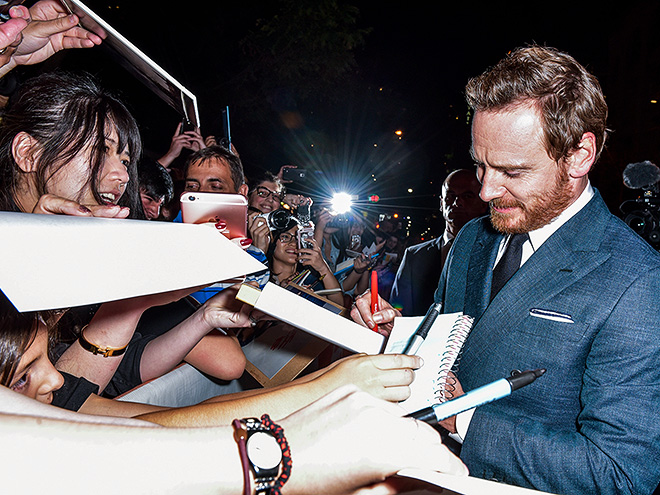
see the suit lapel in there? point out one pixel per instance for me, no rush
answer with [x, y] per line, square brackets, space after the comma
[480, 271]
[566, 257]
[571, 253]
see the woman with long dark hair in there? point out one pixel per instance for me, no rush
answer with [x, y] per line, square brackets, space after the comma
[67, 146]
[288, 261]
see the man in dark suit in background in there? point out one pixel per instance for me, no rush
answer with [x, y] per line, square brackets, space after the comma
[419, 272]
[554, 281]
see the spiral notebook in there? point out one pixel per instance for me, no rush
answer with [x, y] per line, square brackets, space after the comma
[440, 351]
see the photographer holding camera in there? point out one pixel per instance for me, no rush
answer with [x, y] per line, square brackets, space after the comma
[269, 209]
[290, 255]
[264, 199]
[642, 214]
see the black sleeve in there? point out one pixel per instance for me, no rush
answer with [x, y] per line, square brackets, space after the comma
[74, 392]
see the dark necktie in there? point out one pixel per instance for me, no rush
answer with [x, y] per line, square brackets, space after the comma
[508, 264]
[444, 251]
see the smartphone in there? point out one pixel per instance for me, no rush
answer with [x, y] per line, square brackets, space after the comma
[356, 239]
[198, 207]
[305, 234]
[187, 126]
[303, 213]
[225, 142]
[293, 174]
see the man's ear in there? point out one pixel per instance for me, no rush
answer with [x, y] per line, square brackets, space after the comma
[243, 190]
[24, 149]
[580, 162]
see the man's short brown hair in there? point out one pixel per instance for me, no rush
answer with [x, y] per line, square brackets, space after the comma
[569, 99]
[217, 152]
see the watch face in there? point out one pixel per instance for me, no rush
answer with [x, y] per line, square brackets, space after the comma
[263, 450]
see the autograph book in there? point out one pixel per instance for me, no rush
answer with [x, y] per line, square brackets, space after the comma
[440, 351]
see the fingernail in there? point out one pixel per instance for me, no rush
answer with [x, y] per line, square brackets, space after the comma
[220, 225]
[16, 12]
[246, 242]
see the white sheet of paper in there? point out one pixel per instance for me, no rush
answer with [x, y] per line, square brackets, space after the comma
[467, 485]
[294, 310]
[423, 391]
[56, 261]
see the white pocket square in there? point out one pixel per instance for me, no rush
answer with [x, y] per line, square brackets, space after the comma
[550, 315]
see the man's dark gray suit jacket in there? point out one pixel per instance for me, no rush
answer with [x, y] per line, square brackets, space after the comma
[417, 278]
[585, 306]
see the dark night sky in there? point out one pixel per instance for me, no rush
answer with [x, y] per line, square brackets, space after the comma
[421, 56]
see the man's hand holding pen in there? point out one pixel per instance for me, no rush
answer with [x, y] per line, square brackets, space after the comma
[384, 318]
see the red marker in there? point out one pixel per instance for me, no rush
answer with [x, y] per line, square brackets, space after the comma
[374, 295]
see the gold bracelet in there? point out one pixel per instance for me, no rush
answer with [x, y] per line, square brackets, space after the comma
[95, 349]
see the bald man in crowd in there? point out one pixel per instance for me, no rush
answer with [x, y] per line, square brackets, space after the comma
[419, 272]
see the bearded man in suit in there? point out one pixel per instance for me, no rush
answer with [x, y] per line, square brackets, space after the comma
[554, 281]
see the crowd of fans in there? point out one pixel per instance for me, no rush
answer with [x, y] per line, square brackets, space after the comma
[71, 148]
[369, 239]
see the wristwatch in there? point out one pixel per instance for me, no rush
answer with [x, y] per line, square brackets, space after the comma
[264, 454]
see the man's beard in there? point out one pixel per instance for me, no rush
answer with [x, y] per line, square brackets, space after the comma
[537, 212]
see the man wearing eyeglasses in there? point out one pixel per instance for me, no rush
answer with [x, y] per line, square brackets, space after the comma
[266, 194]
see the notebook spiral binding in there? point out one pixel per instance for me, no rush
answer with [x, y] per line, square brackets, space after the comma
[444, 384]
